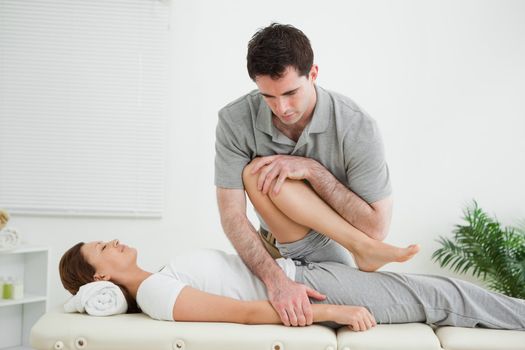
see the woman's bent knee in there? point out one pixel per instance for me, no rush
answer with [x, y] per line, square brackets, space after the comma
[248, 178]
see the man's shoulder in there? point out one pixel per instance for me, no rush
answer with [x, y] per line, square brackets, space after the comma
[240, 107]
[345, 103]
[351, 118]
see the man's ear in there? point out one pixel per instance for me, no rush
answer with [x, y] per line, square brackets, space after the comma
[101, 277]
[314, 71]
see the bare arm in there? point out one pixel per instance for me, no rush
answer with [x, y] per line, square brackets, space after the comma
[373, 219]
[290, 299]
[243, 236]
[197, 306]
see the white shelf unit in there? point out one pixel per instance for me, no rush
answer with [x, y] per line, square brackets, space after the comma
[30, 263]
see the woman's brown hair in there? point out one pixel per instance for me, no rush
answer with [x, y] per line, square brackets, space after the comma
[75, 271]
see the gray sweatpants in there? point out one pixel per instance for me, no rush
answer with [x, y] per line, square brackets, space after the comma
[396, 297]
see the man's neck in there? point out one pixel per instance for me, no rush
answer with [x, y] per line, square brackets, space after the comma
[293, 131]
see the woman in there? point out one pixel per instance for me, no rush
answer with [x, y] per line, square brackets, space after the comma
[216, 287]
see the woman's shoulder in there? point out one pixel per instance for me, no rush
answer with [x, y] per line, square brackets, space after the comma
[157, 294]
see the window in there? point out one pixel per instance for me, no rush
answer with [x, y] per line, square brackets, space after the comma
[83, 106]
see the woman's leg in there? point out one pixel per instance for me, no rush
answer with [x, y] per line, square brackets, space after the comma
[283, 228]
[297, 209]
[403, 298]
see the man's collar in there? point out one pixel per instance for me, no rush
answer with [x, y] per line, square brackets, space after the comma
[263, 121]
[318, 124]
[322, 112]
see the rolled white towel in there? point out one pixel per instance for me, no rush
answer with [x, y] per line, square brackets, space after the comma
[101, 298]
[9, 238]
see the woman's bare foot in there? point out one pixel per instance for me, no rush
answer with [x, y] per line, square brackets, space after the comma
[374, 254]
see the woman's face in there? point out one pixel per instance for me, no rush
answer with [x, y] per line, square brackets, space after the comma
[109, 259]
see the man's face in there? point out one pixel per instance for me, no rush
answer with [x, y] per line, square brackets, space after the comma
[290, 97]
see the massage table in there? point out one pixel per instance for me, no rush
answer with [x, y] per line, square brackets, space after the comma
[57, 330]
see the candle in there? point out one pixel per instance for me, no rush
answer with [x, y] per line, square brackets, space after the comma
[8, 289]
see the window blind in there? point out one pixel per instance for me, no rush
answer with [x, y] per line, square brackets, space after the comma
[83, 106]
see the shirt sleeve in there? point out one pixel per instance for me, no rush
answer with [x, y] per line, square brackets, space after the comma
[366, 167]
[157, 295]
[231, 156]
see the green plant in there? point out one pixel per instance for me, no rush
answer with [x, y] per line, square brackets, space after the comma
[487, 250]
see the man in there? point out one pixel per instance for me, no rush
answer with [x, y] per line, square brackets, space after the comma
[299, 131]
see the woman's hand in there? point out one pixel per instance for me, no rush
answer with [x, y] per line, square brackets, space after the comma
[357, 318]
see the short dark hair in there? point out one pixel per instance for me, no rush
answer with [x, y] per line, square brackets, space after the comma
[276, 47]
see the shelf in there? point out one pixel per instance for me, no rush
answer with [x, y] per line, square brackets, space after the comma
[28, 298]
[24, 248]
[29, 263]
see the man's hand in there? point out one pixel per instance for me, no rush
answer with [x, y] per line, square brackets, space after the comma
[290, 300]
[280, 167]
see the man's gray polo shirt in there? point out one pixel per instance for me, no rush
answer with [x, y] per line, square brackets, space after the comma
[340, 136]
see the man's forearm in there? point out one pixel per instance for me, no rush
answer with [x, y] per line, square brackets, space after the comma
[349, 205]
[244, 238]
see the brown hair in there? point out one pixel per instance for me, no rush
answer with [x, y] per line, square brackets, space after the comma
[276, 47]
[75, 271]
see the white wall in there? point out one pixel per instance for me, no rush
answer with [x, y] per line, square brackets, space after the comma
[444, 79]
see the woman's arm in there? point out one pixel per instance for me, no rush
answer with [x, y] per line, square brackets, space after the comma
[198, 306]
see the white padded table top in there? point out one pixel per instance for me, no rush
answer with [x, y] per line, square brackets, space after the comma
[457, 338]
[409, 336]
[61, 331]
[58, 330]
